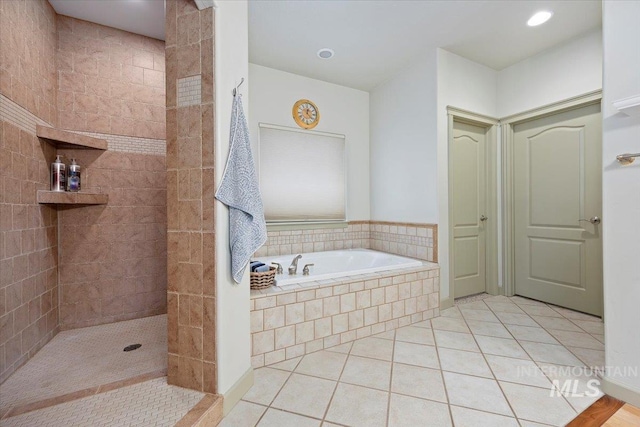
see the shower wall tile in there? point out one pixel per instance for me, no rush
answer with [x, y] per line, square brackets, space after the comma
[189, 91]
[28, 231]
[113, 257]
[109, 81]
[111, 86]
[131, 144]
[28, 56]
[190, 196]
[28, 244]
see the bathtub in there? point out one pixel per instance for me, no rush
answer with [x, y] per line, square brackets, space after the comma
[334, 264]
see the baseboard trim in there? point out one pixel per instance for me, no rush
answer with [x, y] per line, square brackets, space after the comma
[621, 392]
[446, 303]
[235, 393]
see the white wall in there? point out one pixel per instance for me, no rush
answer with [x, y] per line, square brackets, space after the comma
[409, 154]
[405, 119]
[233, 328]
[468, 86]
[621, 195]
[559, 73]
[562, 72]
[342, 110]
[403, 146]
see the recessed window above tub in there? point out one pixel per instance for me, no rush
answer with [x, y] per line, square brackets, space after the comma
[302, 175]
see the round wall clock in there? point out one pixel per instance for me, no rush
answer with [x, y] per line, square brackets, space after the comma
[306, 114]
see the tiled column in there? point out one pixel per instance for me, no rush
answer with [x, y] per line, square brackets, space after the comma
[190, 196]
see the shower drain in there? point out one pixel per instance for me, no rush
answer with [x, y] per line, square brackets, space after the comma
[132, 347]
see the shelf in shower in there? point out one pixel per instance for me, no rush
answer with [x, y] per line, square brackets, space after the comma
[64, 139]
[71, 198]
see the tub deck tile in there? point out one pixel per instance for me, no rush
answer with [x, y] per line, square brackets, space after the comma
[350, 324]
[289, 287]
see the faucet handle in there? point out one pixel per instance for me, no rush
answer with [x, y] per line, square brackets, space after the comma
[279, 267]
[305, 270]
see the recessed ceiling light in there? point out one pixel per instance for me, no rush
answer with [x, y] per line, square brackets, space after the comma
[325, 53]
[539, 18]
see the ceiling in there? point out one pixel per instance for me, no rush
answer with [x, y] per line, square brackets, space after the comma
[144, 17]
[375, 39]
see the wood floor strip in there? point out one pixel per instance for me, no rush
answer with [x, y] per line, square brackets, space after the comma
[598, 413]
[626, 416]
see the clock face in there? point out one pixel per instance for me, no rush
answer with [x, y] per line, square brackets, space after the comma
[306, 114]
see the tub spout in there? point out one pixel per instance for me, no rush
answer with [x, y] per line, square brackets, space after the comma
[293, 268]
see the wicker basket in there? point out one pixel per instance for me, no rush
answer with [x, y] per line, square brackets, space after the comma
[263, 280]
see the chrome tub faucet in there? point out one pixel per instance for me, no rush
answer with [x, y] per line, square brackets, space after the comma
[293, 268]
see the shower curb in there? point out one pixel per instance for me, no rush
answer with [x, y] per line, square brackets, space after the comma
[57, 400]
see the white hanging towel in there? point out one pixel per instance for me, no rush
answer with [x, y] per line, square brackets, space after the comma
[240, 191]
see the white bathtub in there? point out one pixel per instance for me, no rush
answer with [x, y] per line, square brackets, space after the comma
[333, 264]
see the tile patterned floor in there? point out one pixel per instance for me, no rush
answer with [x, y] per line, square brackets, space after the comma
[83, 358]
[489, 361]
[151, 403]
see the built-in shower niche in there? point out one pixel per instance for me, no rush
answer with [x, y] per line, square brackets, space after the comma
[61, 140]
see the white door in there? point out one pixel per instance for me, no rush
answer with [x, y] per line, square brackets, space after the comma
[468, 202]
[558, 202]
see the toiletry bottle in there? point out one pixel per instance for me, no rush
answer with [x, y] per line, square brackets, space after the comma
[73, 179]
[58, 175]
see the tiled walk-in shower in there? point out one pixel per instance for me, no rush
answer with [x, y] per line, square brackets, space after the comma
[486, 362]
[83, 377]
[85, 358]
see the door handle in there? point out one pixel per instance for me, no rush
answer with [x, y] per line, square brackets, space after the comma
[483, 218]
[595, 220]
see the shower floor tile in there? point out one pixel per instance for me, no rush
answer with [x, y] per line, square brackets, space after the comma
[492, 363]
[150, 403]
[81, 360]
